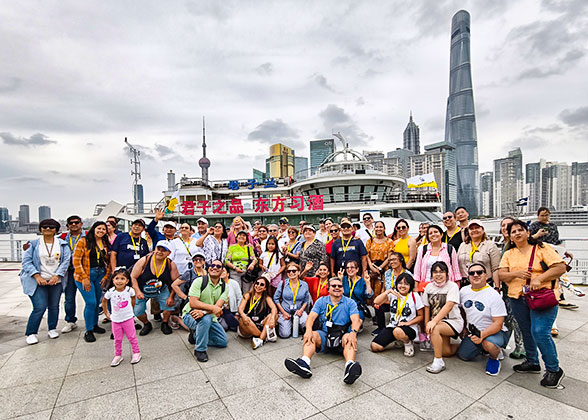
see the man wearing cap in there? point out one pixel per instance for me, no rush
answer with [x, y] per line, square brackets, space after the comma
[169, 228]
[366, 232]
[182, 285]
[73, 235]
[283, 233]
[453, 233]
[312, 250]
[347, 248]
[128, 248]
[152, 277]
[201, 228]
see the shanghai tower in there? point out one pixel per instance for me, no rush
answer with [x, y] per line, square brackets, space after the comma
[460, 122]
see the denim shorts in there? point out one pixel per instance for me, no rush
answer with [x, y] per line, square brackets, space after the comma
[468, 350]
[161, 297]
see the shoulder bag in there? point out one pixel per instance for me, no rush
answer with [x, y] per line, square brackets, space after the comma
[541, 299]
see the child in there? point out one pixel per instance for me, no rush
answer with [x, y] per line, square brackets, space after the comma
[272, 263]
[122, 302]
[406, 311]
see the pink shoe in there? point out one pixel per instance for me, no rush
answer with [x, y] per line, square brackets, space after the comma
[136, 358]
[116, 361]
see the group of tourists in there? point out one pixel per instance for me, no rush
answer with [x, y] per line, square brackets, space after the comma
[452, 290]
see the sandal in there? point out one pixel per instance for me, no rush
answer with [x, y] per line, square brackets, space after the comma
[554, 332]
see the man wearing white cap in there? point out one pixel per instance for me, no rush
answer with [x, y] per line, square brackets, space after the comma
[201, 228]
[169, 228]
[152, 277]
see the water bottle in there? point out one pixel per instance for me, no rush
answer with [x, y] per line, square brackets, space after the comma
[295, 324]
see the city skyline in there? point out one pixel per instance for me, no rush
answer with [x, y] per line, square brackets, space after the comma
[72, 89]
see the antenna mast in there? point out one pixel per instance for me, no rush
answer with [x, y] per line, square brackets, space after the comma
[136, 173]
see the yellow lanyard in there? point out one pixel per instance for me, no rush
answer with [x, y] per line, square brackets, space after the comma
[328, 238]
[187, 246]
[98, 251]
[345, 247]
[394, 277]
[135, 245]
[424, 241]
[253, 303]
[400, 308]
[446, 235]
[473, 250]
[71, 244]
[306, 246]
[479, 290]
[320, 287]
[158, 273]
[330, 309]
[352, 287]
[269, 264]
[291, 247]
[294, 293]
[244, 250]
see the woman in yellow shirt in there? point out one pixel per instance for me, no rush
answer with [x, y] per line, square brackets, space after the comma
[404, 243]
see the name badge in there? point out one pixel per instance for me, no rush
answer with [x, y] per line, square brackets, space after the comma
[329, 324]
[136, 256]
[292, 307]
[255, 318]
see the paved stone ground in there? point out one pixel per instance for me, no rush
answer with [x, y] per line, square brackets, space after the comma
[69, 378]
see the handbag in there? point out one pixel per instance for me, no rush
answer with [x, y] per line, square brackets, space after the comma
[250, 275]
[541, 299]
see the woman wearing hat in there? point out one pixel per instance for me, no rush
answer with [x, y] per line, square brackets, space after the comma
[44, 264]
[477, 248]
[312, 250]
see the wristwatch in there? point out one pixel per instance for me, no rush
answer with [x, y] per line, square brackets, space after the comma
[354, 331]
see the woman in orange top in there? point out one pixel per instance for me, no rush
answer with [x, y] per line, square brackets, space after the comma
[516, 269]
[92, 271]
[317, 286]
[404, 243]
[378, 249]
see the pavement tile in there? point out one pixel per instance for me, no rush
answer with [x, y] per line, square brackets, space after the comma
[376, 369]
[163, 364]
[239, 375]
[518, 402]
[117, 405]
[62, 346]
[275, 359]
[326, 388]
[39, 371]
[569, 395]
[29, 399]
[213, 410]
[478, 411]
[371, 405]
[97, 382]
[219, 356]
[318, 416]
[155, 400]
[261, 403]
[438, 395]
[5, 356]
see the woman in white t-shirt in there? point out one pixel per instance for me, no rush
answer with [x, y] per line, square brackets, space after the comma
[184, 248]
[442, 316]
[406, 311]
[272, 262]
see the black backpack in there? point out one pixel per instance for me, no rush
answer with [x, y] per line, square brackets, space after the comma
[449, 250]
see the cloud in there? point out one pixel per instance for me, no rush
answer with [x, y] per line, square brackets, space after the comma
[527, 142]
[552, 128]
[321, 80]
[560, 67]
[275, 131]
[360, 101]
[37, 139]
[10, 85]
[164, 150]
[335, 119]
[266, 69]
[576, 117]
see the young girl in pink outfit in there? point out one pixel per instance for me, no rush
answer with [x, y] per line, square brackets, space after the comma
[122, 301]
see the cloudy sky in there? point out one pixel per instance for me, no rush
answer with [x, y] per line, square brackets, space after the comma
[78, 77]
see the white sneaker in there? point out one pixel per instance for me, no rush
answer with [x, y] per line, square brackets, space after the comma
[69, 327]
[256, 343]
[53, 334]
[271, 334]
[409, 349]
[436, 367]
[116, 361]
[501, 355]
[32, 339]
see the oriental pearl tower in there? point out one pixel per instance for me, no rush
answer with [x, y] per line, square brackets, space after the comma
[204, 162]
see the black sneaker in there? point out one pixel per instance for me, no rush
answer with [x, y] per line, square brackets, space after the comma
[166, 329]
[157, 317]
[99, 330]
[552, 379]
[201, 356]
[352, 372]
[299, 367]
[146, 329]
[111, 336]
[89, 337]
[137, 327]
[526, 367]
[191, 337]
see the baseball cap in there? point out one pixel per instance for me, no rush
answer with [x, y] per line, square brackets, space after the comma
[284, 219]
[475, 222]
[164, 244]
[345, 221]
[203, 220]
[199, 254]
[170, 223]
[139, 221]
[308, 226]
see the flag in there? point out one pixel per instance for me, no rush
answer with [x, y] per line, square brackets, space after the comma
[173, 202]
[522, 201]
[422, 181]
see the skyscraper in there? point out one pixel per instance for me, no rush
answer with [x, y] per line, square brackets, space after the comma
[508, 183]
[24, 217]
[4, 218]
[319, 150]
[487, 194]
[376, 158]
[460, 122]
[534, 189]
[44, 212]
[579, 183]
[557, 186]
[411, 137]
[281, 161]
[300, 167]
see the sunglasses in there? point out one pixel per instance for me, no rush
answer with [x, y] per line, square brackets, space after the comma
[336, 286]
[74, 223]
[219, 266]
[182, 227]
[401, 227]
[334, 230]
[476, 272]
[367, 218]
[197, 259]
[48, 227]
[292, 271]
[283, 223]
[447, 217]
[260, 283]
[273, 230]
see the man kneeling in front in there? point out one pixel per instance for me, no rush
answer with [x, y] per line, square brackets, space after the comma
[339, 323]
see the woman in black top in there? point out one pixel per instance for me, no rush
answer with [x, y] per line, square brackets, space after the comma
[258, 314]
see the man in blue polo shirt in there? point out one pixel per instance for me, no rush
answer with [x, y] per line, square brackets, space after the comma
[340, 322]
[128, 248]
[347, 248]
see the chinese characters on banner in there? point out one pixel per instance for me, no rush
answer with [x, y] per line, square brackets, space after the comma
[260, 205]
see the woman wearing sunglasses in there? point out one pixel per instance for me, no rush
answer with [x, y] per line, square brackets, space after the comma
[356, 287]
[44, 264]
[404, 244]
[291, 297]
[258, 315]
[214, 243]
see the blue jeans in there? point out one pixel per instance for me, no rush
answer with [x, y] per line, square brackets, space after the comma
[44, 298]
[208, 333]
[468, 350]
[92, 299]
[70, 297]
[536, 329]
